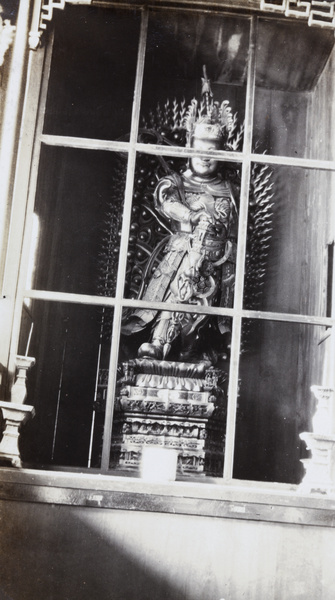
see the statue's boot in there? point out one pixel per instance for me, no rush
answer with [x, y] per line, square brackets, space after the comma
[165, 331]
[151, 350]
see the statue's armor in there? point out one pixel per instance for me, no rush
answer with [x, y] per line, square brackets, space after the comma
[198, 264]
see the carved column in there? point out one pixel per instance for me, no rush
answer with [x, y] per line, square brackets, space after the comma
[15, 413]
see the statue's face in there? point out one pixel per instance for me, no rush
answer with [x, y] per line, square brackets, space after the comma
[203, 166]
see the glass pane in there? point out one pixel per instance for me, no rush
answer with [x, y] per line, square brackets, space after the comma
[288, 236]
[183, 233]
[78, 218]
[179, 46]
[295, 90]
[279, 363]
[92, 73]
[71, 346]
[171, 392]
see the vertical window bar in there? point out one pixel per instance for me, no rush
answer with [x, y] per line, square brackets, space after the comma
[329, 377]
[330, 274]
[124, 245]
[240, 262]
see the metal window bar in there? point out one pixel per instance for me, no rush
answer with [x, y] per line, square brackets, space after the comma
[124, 245]
[116, 146]
[240, 261]
[84, 299]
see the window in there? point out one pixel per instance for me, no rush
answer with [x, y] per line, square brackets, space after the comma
[117, 84]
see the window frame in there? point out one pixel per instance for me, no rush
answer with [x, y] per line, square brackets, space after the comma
[23, 212]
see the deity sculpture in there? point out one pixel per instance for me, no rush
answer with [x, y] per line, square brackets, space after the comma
[174, 362]
[198, 263]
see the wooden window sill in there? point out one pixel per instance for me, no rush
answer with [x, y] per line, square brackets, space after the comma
[238, 500]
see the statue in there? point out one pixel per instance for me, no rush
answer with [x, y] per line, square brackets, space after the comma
[199, 257]
[173, 364]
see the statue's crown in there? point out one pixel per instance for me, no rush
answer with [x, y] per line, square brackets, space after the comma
[208, 120]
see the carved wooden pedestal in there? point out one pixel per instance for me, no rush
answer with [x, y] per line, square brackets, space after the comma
[15, 413]
[170, 405]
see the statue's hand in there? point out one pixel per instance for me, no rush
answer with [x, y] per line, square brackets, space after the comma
[222, 210]
[197, 204]
[200, 215]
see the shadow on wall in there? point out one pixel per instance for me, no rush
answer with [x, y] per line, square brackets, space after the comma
[55, 552]
[56, 556]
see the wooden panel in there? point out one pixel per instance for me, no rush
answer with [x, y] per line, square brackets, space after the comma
[321, 115]
[280, 123]
[291, 56]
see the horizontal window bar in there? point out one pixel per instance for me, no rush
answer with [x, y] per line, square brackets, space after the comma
[215, 6]
[84, 143]
[124, 146]
[178, 151]
[290, 161]
[159, 150]
[68, 297]
[174, 307]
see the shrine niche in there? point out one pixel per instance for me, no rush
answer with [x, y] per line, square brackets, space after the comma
[112, 152]
[173, 373]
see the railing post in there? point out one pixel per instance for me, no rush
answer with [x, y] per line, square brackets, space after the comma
[15, 413]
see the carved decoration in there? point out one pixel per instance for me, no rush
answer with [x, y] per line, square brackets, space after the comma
[315, 12]
[47, 10]
[43, 14]
[183, 409]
